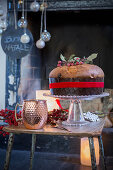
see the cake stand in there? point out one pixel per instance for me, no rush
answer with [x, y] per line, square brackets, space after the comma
[75, 116]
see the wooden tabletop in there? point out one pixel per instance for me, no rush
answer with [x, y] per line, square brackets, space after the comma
[90, 129]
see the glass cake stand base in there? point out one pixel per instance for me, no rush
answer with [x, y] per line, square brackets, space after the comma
[75, 116]
[74, 123]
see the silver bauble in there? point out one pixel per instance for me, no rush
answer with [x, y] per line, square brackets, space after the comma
[40, 44]
[3, 24]
[22, 23]
[45, 36]
[35, 6]
[42, 7]
[1, 31]
[25, 38]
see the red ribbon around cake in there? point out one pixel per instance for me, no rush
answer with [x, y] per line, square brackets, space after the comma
[76, 85]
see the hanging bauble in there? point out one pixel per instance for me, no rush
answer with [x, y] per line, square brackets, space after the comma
[45, 36]
[25, 38]
[1, 31]
[3, 24]
[43, 6]
[40, 43]
[22, 23]
[35, 6]
[20, 1]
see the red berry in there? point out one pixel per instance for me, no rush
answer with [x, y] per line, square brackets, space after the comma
[7, 133]
[71, 63]
[59, 62]
[1, 127]
[81, 62]
[4, 134]
[78, 59]
[58, 65]
[77, 63]
[68, 64]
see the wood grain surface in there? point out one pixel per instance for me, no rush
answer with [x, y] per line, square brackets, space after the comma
[90, 129]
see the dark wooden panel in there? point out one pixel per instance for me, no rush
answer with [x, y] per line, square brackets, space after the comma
[56, 5]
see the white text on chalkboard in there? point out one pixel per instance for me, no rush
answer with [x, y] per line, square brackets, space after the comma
[10, 39]
[17, 47]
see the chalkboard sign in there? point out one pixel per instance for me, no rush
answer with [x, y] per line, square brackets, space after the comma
[11, 44]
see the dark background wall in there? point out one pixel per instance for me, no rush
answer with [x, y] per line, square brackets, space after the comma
[78, 32]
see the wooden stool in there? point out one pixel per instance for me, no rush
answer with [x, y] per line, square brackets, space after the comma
[90, 130]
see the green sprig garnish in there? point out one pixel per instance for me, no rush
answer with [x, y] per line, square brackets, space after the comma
[73, 60]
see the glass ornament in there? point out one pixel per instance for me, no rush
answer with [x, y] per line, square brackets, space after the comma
[20, 1]
[40, 44]
[1, 31]
[22, 23]
[3, 24]
[45, 36]
[42, 7]
[25, 38]
[35, 6]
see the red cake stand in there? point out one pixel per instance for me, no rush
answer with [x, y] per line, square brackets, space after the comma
[75, 116]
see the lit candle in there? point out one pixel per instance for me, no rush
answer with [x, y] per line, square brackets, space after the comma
[85, 151]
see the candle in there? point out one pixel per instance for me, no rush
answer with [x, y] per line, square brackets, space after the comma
[85, 151]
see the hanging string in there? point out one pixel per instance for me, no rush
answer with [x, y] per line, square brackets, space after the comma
[45, 18]
[23, 9]
[45, 15]
[41, 27]
[25, 15]
[42, 16]
[26, 10]
[15, 14]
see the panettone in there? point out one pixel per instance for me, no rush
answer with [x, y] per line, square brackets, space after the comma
[78, 79]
